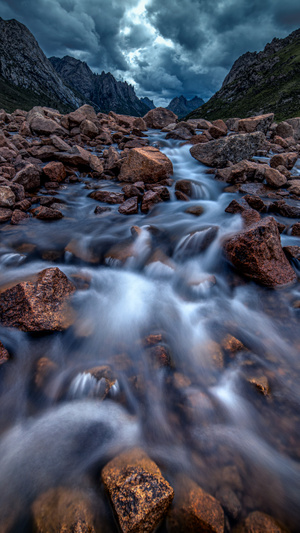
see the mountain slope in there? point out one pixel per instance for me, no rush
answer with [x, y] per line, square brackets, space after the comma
[149, 103]
[31, 77]
[262, 82]
[103, 90]
[181, 106]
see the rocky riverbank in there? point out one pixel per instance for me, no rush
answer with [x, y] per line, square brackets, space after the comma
[143, 347]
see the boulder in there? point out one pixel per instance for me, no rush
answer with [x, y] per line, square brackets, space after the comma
[78, 156]
[159, 118]
[7, 197]
[287, 160]
[194, 510]
[18, 217]
[258, 123]
[129, 207]
[85, 112]
[138, 492]
[294, 187]
[5, 215]
[29, 177]
[284, 130]
[39, 305]
[150, 198]
[257, 253]
[295, 230]
[40, 124]
[63, 510]
[55, 171]
[249, 215]
[184, 186]
[140, 124]
[88, 128]
[108, 197]
[285, 210]
[47, 213]
[295, 123]
[274, 178]
[145, 164]
[233, 148]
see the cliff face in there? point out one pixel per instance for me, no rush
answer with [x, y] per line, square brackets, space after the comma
[262, 82]
[181, 106]
[24, 65]
[103, 90]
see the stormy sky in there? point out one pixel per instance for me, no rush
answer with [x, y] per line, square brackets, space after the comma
[163, 47]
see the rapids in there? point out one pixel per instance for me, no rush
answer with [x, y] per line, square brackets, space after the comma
[203, 415]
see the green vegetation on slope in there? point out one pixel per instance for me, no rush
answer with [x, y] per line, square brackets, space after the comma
[271, 84]
[13, 97]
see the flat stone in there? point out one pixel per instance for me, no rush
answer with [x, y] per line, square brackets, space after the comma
[108, 197]
[146, 164]
[47, 213]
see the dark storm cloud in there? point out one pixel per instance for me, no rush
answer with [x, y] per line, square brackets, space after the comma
[164, 47]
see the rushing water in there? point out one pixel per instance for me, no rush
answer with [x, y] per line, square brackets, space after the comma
[201, 415]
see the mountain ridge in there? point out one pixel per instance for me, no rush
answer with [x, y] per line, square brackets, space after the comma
[181, 106]
[259, 82]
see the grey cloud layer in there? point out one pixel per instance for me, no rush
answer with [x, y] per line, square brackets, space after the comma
[175, 47]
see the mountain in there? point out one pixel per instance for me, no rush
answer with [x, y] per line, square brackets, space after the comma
[27, 77]
[149, 103]
[181, 106]
[263, 82]
[103, 90]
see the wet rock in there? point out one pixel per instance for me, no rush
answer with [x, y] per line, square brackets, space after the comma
[274, 178]
[161, 190]
[24, 205]
[229, 501]
[129, 207]
[196, 210]
[99, 210]
[284, 209]
[257, 253]
[194, 510]
[107, 197]
[234, 148]
[287, 160]
[18, 217]
[47, 213]
[241, 172]
[150, 198]
[112, 160]
[295, 229]
[39, 305]
[249, 215]
[7, 197]
[232, 345]
[136, 189]
[261, 384]
[88, 128]
[5, 215]
[292, 252]
[159, 118]
[255, 202]
[4, 355]
[258, 123]
[184, 186]
[63, 510]
[181, 196]
[54, 171]
[258, 522]
[181, 132]
[29, 177]
[145, 164]
[139, 493]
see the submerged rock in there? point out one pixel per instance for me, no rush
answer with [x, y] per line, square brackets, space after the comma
[258, 254]
[40, 305]
[139, 493]
[258, 522]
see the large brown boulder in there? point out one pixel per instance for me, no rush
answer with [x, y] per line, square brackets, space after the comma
[85, 112]
[29, 177]
[287, 160]
[40, 124]
[54, 171]
[258, 123]
[63, 510]
[233, 148]
[258, 522]
[145, 164]
[139, 493]
[257, 253]
[159, 118]
[39, 305]
[194, 510]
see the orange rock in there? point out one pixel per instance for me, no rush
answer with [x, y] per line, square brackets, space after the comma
[194, 510]
[4, 355]
[145, 164]
[258, 123]
[139, 493]
[159, 118]
[258, 522]
[55, 171]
